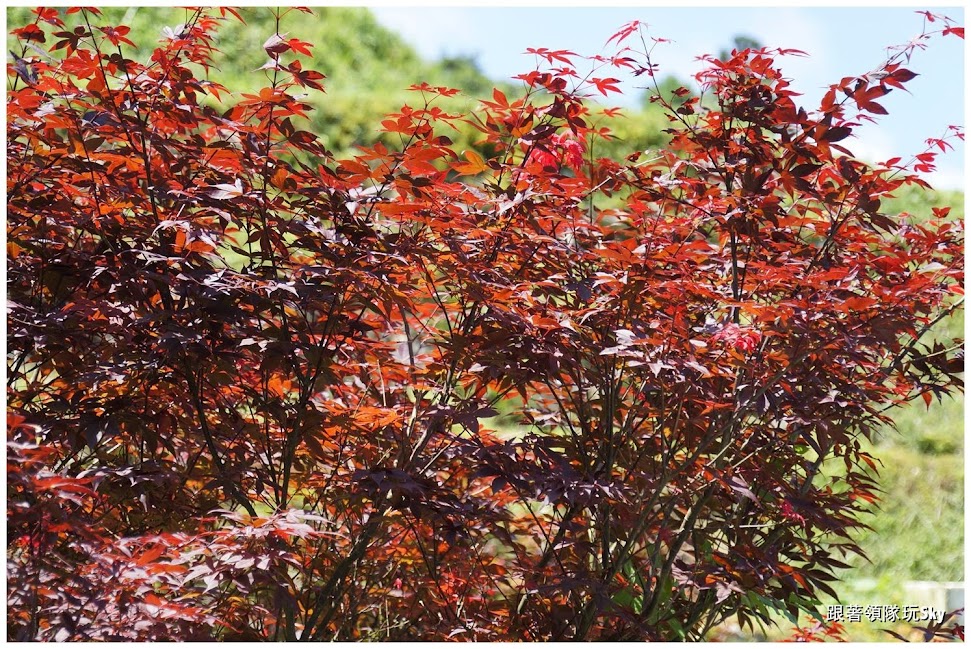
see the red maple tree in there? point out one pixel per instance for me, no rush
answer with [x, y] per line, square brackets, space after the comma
[248, 381]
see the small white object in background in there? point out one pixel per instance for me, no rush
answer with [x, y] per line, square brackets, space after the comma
[941, 595]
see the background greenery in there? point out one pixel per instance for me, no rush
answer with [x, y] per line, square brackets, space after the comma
[917, 532]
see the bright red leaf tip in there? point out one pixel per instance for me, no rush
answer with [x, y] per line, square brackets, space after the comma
[625, 31]
[606, 85]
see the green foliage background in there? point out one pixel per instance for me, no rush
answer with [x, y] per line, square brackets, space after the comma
[918, 530]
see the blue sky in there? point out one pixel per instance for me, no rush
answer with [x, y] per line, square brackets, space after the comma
[840, 42]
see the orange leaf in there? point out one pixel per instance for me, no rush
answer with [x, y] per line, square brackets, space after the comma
[278, 386]
[475, 164]
[150, 556]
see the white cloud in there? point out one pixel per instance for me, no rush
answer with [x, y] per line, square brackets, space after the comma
[946, 178]
[431, 33]
[877, 143]
[872, 144]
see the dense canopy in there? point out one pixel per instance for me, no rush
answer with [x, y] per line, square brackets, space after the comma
[253, 386]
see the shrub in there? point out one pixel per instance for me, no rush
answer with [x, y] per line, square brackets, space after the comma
[247, 379]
